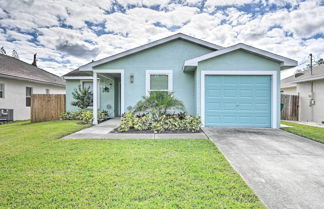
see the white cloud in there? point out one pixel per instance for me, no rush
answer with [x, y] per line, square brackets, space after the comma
[213, 3]
[74, 43]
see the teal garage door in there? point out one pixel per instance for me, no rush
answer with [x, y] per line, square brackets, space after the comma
[238, 100]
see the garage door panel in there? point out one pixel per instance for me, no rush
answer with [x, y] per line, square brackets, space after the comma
[243, 101]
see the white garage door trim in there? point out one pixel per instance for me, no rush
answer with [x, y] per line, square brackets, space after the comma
[274, 89]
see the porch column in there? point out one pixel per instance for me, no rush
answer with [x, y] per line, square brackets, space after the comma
[95, 98]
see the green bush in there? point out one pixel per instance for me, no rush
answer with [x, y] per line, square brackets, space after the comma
[168, 122]
[142, 122]
[192, 123]
[126, 122]
[85, 115]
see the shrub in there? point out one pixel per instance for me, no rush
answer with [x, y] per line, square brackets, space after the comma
[192, 123]
[126, 122]
[70, 115]
[158, 104]
[141, 122]
[82, 97]
[169, 122]
[103, 115]
[87, 117]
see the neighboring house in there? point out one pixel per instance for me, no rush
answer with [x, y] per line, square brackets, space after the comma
[233, 86]
[19, 80]
[288, 86]
[310, 88]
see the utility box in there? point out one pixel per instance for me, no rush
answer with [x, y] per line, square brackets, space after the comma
[6, 114]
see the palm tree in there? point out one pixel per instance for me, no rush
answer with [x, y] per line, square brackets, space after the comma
[158, 103]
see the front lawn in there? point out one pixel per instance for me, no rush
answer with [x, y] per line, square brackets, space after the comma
[38, 170]
[310, 132]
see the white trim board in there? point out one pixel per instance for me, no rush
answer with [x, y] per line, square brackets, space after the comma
[78, 77]
[122, 90]
[169, 73]
[274, 91]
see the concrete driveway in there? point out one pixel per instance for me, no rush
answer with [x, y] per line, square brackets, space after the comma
[284, 170]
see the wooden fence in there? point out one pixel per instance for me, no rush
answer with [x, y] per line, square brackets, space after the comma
[46, 107]
[290, 110]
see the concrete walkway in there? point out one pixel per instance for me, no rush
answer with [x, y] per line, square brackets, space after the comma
[284, 170]
[314, 124]
[103, 131]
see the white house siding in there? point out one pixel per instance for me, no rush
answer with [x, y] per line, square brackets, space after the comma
[315, 112]
[289, 91]
[15, 95]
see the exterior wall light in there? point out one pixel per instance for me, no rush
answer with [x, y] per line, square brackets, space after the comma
[131, 78]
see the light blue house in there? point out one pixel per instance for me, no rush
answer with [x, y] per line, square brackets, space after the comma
[233, 86]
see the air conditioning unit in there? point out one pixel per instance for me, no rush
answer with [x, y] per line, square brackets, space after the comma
[6, 114]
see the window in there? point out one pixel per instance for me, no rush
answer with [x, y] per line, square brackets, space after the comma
[86, 85]
[29, 92]
[2, 90]
[47, 91]
[159, 81]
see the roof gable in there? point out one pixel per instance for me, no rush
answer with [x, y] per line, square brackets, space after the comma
[88, 67]
[285, 62]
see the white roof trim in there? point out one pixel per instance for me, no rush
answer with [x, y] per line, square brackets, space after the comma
[88, 67]
[78, 77]
[310, 79]
[286, 62]
[289, 86]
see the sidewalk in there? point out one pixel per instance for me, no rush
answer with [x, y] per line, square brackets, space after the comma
[314, 124]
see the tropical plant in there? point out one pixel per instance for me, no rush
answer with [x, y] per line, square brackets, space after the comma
[82, 97]
[168, 122]
[87, 117]
[158, 103]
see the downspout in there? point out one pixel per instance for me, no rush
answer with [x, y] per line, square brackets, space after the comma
[312, 101]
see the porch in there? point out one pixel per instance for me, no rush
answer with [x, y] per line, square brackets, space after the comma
[108, 94]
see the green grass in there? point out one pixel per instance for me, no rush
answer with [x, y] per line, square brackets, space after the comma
[38, 170]
[310, 132]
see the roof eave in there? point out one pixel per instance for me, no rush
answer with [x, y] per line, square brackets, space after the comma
[32, 80]
[310, 79]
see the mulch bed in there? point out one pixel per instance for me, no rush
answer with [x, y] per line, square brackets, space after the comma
[133, 131]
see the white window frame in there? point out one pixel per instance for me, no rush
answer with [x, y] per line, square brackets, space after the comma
[31, 93]
[274, 91]
[148, 74]
[3, 90]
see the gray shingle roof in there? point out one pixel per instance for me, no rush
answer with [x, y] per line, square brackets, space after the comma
[17, 69]
[318, 73]
[77, 72]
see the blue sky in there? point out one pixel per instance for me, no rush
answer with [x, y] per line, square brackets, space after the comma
[66, 34]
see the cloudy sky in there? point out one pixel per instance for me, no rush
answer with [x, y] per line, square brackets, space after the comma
[69, 33]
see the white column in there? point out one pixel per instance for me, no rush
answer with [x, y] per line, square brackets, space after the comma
[95, 98]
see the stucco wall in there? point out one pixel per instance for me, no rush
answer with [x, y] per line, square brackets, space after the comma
[239, 60]
[105, 98]
[289, 91]
[170, 56]
[15, 95]
[315, 112]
